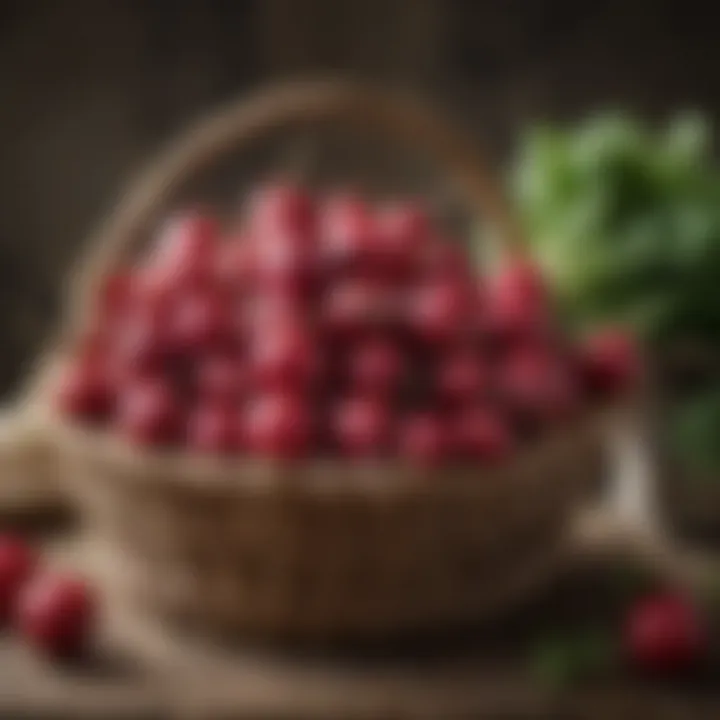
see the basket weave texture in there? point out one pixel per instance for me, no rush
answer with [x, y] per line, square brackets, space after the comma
[322, 549]
[327, 551]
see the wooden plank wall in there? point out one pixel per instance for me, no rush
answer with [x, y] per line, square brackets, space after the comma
[91, 87]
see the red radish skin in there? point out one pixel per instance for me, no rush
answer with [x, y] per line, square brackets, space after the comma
[17, 564]
[352, 308]
[216, 429]
[149, 413]
[222, 379]
[517, 301]
[362, 427]
[284, 358]
[93, 347]
[402, 230]
[348, 234]
[283, 213]
[187, 235]
[85, 392]
[236, 265]
[442, 259]
[185, 253]
[285, 267]
[463, 378]
[142, 343]
[56, 614]
[423, 440]
[199, 323]
[610, 362]
[153, 291]
[266, 313]
[279, 426]
[481, 435]
[376, 367]
[115, 294]
[439, 311]
[665, 634]
[540, 386]
[521, 282]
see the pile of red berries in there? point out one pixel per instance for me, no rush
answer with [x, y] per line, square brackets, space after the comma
[54, 612]
[327, 326]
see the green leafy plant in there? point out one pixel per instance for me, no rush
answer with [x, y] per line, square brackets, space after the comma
[626, 221]
[569, 658]
[695, 432]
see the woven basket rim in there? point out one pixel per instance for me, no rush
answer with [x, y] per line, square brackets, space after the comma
[314, 476]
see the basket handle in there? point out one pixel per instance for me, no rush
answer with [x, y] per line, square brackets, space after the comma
[242, 123]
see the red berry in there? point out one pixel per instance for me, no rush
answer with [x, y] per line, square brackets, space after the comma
[610, 362]
[402, 230]
[187, 235]
[424, 440]
[376, 367]
[665, 634]
[439, 311]
[57, 614]
[284, 267]
[284, 357]
[279, 426]
[362, 427]
[85, 390]
[215, 428]
[236, 265]
[17, 563]
[482, 435]
[198, 322]
[517, 300]
[142, 340]
[283, 213]
[445, 259]
[271, 310]
[222, 379]
[185, 253]
[348, 232]
[520, 281]
[148, 413]
[352, 307]
[93, 346]
[115, 294]
[153, 290]
[463, 377]
[537, 384]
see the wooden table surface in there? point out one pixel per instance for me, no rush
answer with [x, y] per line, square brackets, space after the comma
[140, 671]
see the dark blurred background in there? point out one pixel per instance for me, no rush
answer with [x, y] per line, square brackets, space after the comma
[91, 88]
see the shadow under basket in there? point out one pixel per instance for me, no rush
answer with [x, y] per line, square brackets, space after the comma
[319, 550]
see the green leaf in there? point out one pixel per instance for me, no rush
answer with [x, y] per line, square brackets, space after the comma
[596, 652]
[687, 142]
[626, 222]
[573, 657]
[695, 428]
[552, 665]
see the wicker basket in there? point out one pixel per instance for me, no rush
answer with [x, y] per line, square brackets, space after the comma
[28, 466]
[324, 550]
